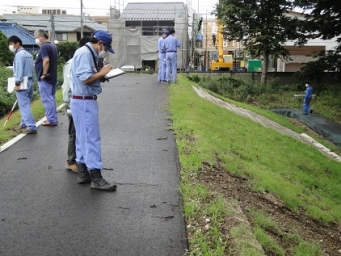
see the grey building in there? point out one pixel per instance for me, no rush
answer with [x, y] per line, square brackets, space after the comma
[137, 30]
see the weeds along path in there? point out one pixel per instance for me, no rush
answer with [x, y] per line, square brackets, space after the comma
[267, 123]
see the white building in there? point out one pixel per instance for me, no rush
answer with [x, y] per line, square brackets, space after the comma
[304, 54]
[28, 9]
[136, 32]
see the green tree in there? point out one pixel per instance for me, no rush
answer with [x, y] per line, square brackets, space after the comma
[6, 56]
[322, 18]
[323, 21]
[67, 49]
[263, 26]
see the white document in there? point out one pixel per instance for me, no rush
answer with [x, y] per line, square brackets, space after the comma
[11, 84]
[114, 72]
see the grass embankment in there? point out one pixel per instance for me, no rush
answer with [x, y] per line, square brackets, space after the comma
[294, 171]
[12, 127]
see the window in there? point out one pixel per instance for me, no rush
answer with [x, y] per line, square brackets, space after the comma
[61, 36]
[148, 27]
[133, 23]
[227, 58]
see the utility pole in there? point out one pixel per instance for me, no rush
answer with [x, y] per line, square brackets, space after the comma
[206, 52]
[52, 29]
[81, 19]
[193, 37]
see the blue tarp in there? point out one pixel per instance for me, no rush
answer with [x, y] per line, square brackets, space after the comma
[318, 123]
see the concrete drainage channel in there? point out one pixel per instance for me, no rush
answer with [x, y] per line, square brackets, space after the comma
[267, 123]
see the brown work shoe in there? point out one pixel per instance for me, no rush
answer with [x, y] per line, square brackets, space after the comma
[71, 167]
[27, 131]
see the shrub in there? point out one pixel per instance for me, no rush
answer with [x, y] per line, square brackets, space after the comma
[66, 50]
[194, 78]
[147, 70]
[6, 56]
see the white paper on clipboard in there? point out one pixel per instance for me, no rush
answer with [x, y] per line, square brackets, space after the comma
[114, 72]
[11, 84]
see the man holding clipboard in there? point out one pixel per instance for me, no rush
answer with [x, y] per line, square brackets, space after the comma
[23, 79]
[86, 80]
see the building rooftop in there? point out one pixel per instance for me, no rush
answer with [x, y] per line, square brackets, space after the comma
[62, 23]
[154, 11]
[12, 29]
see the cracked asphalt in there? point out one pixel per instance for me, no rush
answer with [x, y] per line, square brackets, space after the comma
[44, 212]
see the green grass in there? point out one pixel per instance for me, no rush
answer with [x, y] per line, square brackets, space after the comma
[306, 248]
[265, 226]
[297, 173]
[268, 243]
[242, 242]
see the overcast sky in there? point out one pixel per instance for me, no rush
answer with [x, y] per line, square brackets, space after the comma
[99, 7]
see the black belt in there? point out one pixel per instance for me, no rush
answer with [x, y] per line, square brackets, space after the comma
[171, 51]
[84, 97]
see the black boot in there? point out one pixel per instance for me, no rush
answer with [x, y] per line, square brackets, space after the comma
[83, 174]
[99, 183]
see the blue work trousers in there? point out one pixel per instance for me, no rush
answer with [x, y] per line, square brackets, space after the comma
[24, 98]
[171, 65]
[162, 67]
[48, 97]
[306, 106]
[88, 140]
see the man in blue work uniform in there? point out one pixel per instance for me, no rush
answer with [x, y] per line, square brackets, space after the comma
[162, 57]
[307, 98]
[171, 45]
[46, 72]
[86, 79]
[23, 67]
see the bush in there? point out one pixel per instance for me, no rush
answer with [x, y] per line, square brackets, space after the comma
[194, 78]
[6, 56]
[6, 103]
[66, 50]
[243, 90]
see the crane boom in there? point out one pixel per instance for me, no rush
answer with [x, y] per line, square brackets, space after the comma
[224, 62]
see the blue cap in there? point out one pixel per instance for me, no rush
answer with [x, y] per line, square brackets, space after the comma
[105, 37]
[165, 31]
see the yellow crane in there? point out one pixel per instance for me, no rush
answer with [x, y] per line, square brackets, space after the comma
[224, 62]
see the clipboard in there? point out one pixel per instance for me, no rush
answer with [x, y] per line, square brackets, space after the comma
[114, 72]
[11, 84]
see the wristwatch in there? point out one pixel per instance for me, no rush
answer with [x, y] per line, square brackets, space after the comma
[17, 83]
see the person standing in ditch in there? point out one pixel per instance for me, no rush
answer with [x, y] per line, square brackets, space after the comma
[308, 94]
[86, 85]
[71, 164]
[23, 67]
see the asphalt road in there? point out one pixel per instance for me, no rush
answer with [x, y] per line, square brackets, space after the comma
[44, 212]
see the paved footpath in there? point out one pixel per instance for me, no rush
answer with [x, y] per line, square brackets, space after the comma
[44, 212]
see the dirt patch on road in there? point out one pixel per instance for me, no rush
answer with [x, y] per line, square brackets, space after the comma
[236, 188]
